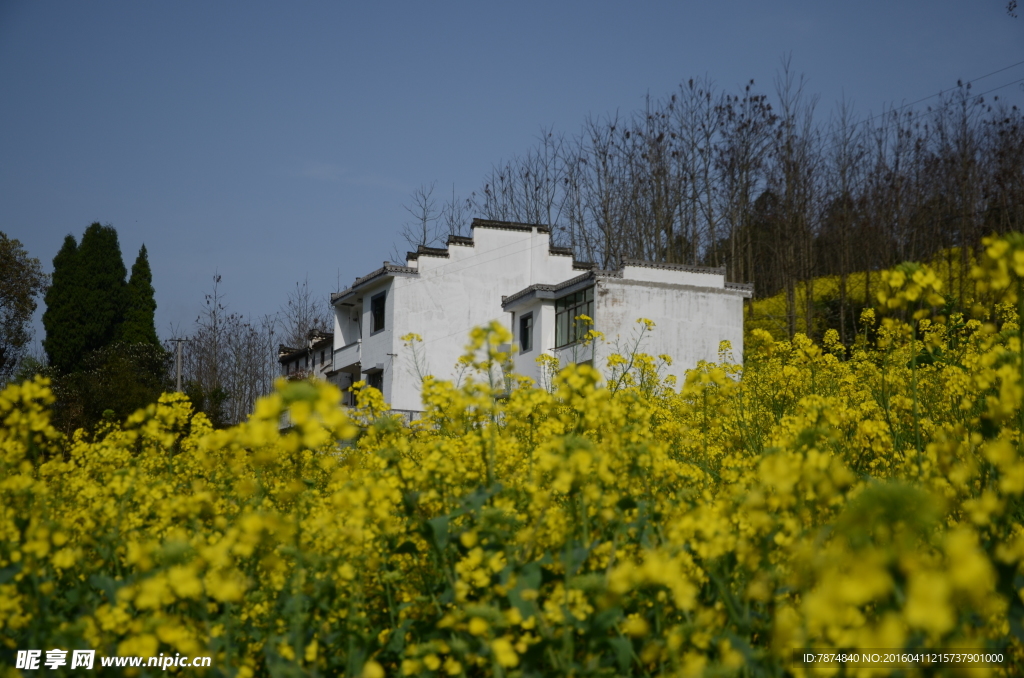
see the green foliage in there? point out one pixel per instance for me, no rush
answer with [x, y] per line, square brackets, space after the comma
[63, 344]
[139, 326]
[28, 367]
[100, 336]
[114, 381]
[21, 279]
[101, 274]
[209, 401]
[85, 305]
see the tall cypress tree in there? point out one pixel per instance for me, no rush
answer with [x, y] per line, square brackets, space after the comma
[101, 274]
[139, 326]
[100, 334]
[64, 343]
[86, 302]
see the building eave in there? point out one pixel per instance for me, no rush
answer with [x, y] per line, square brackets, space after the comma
[460, 240]
[423, 251]
[510, 226]
[541, 291]
[385, 271]
[710, 270]
[746, 290]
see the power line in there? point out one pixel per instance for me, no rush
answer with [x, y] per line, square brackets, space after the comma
[973, 96]
[945, 91]
[950, 89]
[1000, 87]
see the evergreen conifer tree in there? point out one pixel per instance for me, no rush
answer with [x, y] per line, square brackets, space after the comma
[101, 275]
[64, 343]
[139, 326]
[86, 301]
[100, 333]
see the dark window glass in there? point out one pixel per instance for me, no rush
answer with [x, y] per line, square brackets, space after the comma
[376, 380]
[569, 330]
[321, 357]
[377, 311]
[526, 333]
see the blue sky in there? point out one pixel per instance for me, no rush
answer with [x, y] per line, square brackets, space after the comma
[272, 141]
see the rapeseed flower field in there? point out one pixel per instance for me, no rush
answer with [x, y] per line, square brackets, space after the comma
[840, 498]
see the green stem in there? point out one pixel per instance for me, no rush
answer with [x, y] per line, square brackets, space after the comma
[913, 372]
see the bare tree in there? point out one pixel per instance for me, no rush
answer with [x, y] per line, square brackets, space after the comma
[844, 164]
[456, 214]
[304, 312]
[746, 125]
[228, 361]
[763, 188]
[600, 179]
[793, 180]
[423, 230]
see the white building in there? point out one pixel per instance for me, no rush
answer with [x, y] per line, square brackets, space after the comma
[509, 272]
[694, 309]
[314, 360]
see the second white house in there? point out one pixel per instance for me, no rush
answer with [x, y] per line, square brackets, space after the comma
[509, 272]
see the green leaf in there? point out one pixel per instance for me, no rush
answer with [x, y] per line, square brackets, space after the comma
[438, 528]
[528, 578]
[623, 652]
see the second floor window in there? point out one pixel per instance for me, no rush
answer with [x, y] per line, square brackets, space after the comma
[377, 311]
[569, 330]
[526, 333]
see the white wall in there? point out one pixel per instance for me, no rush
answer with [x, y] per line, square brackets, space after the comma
[666, 273]
[346, 330]
[543, 337]
[376, 347]
[448, 296]
[452, 295]
[690, 320]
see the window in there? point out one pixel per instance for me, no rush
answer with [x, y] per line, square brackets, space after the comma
[377, 311]
[526, 333]
[568, 330]
[376, 380]
[322, 357]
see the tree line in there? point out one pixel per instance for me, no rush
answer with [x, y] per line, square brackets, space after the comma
[229, 360]
[763, 186]
[101, 349]
[758, 184]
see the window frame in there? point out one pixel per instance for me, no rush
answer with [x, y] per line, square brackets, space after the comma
[526, 319]
[568, 331]
[381, 297]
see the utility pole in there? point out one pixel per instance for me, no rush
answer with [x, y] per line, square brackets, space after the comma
[177, 361]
